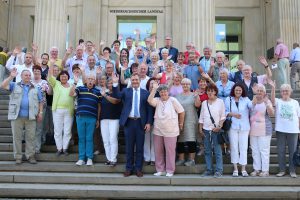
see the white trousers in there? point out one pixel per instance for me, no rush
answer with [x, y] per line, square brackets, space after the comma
[62, 121]
[261, 152]
[149, 154]
[109, 132]
[238, 146]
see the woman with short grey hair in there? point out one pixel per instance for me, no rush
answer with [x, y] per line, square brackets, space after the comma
[287, 116]
[190, 102]
[168, 121]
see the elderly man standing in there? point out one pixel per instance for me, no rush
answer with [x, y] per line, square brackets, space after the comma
[25, 106]
[295, 62]
[281, 55]
[136, 118]
[87, 117]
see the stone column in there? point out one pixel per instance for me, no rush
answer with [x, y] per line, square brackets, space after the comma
[286, 18]
[197, 22]
[50, 25]
[91, 21]
[286, 15]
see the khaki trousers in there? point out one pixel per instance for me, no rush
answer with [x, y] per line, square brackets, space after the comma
[17, 129]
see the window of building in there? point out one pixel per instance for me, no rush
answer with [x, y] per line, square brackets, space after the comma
[229, 39]
[129, 26]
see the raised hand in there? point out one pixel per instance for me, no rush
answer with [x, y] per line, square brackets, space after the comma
[263, 61]
[16, 50]
[271, 83]
[120, 38]
[82, 68]
[205, 75]
[102, 43]
[69, 51]
[99, 70]
[34, 47]
[14, 72]
[115, 78]
[52, 61]
[155, 85]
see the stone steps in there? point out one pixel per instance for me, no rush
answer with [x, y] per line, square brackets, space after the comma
[73, 157]
[148, 179]
[91, 191]
[10, 166]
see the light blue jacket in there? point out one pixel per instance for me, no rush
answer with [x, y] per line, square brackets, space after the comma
[243, 108]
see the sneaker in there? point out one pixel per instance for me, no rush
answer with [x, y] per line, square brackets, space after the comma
[169, 174]
[293, 174]
[218, 174]
[37, 151]
[281, 174]
[18, 161]
[89, 162]
[96, 152]
[255, 173]
[152, 163]
[190, 163]
[65, 152]
[201, 152]
[159, 174]
[113, 164]
[107, 162]
[235, 173]
[32, 160]
[207, 173]
[80, 162]
[179, 162]
[264, 174]
[59, 152]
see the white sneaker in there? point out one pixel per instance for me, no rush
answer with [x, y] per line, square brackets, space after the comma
[89, 162]
[159, 174]
[80, 162]
[169, 174]
[96, 152]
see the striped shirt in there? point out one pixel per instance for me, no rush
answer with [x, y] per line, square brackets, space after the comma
[88, 100]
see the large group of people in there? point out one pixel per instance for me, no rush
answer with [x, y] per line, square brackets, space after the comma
[172, 106]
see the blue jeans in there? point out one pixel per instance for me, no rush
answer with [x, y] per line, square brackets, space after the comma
[211, 140]
[85, 126]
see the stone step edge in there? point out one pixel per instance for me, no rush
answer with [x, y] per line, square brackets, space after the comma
[148, 179]
[153, 192]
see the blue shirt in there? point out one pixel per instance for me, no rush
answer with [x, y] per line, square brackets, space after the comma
[295, 55]
[224, 91]
[205, 64]
[191, 72]
[24, 107]
[243, 108]
[88, 100]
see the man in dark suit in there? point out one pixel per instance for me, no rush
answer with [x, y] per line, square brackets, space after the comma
[172, 50]
[136, 118]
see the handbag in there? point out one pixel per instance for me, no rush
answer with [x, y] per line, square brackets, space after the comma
[222, 136]
[228, 121]
[296, 156]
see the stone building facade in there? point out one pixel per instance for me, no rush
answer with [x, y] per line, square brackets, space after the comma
[244, 28]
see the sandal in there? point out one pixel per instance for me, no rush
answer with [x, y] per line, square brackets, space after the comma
[235, 173]
[245, 174]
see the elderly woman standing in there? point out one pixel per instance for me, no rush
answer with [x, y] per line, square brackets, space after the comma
[168, 119]
[190, 103]
[261, 131]
[63, 109]
[238, 107]
[224, 84]
[154, 57]
[212, 117]
[287, 113]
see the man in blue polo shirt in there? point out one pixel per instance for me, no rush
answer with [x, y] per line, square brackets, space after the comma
[87, 117]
